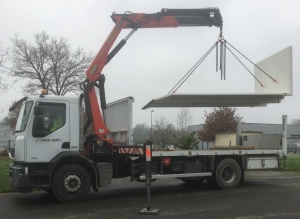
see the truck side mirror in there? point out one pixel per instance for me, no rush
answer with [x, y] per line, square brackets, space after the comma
[38, 127]
[38, 110]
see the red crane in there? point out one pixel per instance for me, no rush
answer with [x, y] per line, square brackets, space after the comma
[165, 18]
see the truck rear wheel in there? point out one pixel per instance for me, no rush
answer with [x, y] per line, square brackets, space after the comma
[228, 174]
[71, 183]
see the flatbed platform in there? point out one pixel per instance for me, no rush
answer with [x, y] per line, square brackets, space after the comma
[190, 153]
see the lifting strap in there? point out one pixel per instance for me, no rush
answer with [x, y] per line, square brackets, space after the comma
[188, 74]
[220, 64]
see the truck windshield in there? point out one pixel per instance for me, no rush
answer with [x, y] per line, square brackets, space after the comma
[23, 116]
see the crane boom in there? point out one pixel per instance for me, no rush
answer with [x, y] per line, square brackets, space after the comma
[164, 19]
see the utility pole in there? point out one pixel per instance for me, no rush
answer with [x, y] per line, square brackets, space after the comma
[151, 123]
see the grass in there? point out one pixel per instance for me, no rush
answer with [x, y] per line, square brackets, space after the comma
[4, 152]
[292, 163]
[5, 161]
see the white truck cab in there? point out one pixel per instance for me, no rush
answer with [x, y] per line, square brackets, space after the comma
[39, 138]
[32, 142]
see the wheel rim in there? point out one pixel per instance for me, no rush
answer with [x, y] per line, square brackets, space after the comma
[71, 183]
[228, 174]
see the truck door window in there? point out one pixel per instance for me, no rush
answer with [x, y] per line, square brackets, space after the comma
[54, 116]
[23, 116]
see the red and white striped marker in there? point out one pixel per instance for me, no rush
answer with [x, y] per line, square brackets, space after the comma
[131, 151]
[148, 153]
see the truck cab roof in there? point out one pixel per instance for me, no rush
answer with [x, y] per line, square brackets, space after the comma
[54, 98]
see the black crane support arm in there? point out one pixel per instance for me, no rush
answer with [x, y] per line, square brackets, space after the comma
[186, 17]
[195, 17]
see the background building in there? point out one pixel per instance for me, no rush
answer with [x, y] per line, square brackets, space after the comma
[293, 131]
[270, 132]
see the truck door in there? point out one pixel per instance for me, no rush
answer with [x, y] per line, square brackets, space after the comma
[54, 136]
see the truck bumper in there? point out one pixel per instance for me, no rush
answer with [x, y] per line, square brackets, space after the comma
[18, 179]
[23, 180]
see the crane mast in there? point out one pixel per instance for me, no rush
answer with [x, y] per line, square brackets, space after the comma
[164, 19]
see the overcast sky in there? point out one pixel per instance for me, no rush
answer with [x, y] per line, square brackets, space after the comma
[154, 60]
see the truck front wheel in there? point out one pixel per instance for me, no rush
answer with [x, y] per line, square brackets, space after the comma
[71, 183]
[228, 174]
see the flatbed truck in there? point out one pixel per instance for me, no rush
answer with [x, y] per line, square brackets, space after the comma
[49, 150]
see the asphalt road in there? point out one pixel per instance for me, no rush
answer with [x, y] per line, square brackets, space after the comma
[262, 195]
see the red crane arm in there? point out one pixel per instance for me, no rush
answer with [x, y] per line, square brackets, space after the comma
[165, 18]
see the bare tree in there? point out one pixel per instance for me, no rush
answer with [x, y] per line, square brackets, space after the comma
[295, 122]
[49, 64]
[163, 131]
[4, 53]
[184, 119]
[141, 133]
[12, 117]
[221, 119]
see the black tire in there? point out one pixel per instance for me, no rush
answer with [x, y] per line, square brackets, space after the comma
[228, 174]
[71, 183]
[194, 182]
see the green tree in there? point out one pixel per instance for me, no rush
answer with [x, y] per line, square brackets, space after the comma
[187, 142]
[221, 119]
